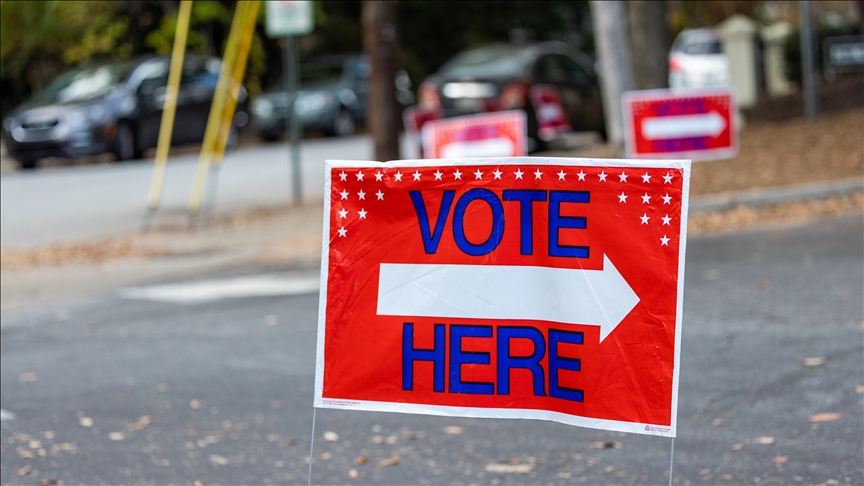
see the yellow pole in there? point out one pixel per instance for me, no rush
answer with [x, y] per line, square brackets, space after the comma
[170, 107]
[243, 48]
[216, 108]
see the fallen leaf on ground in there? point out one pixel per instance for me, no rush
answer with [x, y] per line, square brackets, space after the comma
[453, 430]
[353, 474]
[116, 436]
[197, 483]
[141, 423]
[859, 389]
[24, 471]
[331, 436]
[26, 454]
[35, 444]
[826, 417]
[815, 361]
[361, 460]
[390, 461]
[609, 444]
[411, 435]
[718, 422]
[194, 404]
[766, 440]
[289, 441]
[377, 439]
[509, 468]
[28, 377]
[764, 284]
[276, 404]
[737, 447]
[85, 422]
[217, 459]
[48, 434]
[326, 456]
[726, 477]
[391, 440]
[49, 482]
[609, 469]
[161, 388]
[779, 459]
[703, 472]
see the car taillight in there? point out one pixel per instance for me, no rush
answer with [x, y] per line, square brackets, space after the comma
[427, 95]
[675, 64]
[513, 96]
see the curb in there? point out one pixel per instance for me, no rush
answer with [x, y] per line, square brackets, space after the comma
[777, 195]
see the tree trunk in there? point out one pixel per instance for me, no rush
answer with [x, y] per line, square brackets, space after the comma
[380, 45]
[649, 44]
[610, 23]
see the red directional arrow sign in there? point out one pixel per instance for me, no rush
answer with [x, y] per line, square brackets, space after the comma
[699, 124]
[507, 287]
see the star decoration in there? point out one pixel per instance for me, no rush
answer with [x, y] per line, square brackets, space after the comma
[343, 232]
[380, 195]
[359, 176]
[666, 220]
[343, 213]
[362, 213]
[438, 175]
[581, 175]
[398, 176]
[497, 173]
[622, 177]
[645, 218]
[344, 194]
[602, 176]
[664, 241]
[646, 178]
[361, 194]
[667, 198]
[457, 175]
[478, 175]
[378, 175]
[561, 175]
[538, 174]
[622, 198]
[416, 175]
[646, 198]
[518, 173]
[667, 179]
[342, 176]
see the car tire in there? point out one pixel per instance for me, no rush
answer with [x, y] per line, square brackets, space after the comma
[124, 143]
[27, 163]
[343, 124]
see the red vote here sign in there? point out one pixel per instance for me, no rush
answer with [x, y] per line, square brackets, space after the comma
[509, 287]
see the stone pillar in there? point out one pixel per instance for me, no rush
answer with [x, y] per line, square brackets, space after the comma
[737, 35]
[774, 39]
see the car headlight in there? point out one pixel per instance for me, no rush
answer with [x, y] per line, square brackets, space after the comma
[313, 101]
[262, 108]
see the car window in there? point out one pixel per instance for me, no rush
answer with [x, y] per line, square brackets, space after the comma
[711, 47]
[84, 84]
[197, 73]
[572, 69]
[489, 61]
[557, 68]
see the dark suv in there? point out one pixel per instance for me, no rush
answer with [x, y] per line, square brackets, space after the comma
[115, 108]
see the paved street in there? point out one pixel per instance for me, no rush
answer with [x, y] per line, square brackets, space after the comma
[41, 207]
[121, 389]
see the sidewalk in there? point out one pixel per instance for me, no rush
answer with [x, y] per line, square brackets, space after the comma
[786, 172]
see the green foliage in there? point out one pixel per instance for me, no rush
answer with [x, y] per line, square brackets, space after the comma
[205, 15]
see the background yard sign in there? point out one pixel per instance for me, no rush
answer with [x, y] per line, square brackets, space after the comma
[498, 134]
[505, 287]
[698, 124]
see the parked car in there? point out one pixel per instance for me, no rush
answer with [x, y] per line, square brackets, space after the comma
[114, 107]
[696, 60]
[332, 97]
[498, 77]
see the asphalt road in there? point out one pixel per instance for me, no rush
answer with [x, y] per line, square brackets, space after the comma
[76, 203]
[227, 385]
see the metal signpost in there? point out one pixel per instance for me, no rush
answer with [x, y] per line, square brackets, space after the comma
[289, 19]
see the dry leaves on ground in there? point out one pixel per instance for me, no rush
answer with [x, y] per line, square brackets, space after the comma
[331, 436]
[390, 461]
[815, 361]
[64, 253]
[826, 417]
[509, 468]
[453, 430]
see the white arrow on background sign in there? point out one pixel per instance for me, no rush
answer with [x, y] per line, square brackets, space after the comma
[587, 297]
[683, 126]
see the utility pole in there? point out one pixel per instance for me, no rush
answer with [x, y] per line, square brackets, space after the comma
[381, 47]
[610, 36]
[649, 44]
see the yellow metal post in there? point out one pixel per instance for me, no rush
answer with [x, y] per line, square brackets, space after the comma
[170, 107]
[216, 109]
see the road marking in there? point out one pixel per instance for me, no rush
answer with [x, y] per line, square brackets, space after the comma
[6, 415]
[586, 297]
[683, 126]
[216, 289]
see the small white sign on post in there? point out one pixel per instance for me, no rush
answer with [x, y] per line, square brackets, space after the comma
[286, 18]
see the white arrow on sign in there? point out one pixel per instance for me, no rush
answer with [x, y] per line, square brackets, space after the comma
[683, 126]
[587, 297]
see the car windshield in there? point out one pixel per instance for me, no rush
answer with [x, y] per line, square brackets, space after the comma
[710, 47]
[84, 84]
[490, 61]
